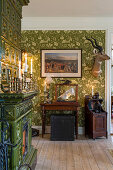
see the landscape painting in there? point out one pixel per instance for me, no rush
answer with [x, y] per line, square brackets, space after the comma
[61, 63]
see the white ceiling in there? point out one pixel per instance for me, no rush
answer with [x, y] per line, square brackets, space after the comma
[69, 8]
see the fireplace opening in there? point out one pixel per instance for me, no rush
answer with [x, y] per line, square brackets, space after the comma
[25, 140]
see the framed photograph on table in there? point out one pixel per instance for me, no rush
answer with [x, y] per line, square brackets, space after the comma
[61, 63]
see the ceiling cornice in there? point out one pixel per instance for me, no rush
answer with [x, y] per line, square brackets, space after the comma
[67, 23]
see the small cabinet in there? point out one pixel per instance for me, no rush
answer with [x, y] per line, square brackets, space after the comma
[95, 118]
[112, 107]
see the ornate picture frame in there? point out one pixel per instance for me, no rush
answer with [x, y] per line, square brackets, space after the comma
[61, 63]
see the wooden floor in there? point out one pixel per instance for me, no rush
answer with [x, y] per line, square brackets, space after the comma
[81, 154]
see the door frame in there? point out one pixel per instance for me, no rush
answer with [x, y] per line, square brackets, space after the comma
[108, 46]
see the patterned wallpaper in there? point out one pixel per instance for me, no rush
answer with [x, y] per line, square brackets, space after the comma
[33, 41]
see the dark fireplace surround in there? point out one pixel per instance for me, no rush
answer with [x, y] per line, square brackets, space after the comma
[18, 113]
[25, 140]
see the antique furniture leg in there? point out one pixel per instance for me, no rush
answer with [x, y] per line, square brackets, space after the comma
[76, 124]
[43, 120]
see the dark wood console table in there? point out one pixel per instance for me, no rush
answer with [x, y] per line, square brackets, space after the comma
[61, 106]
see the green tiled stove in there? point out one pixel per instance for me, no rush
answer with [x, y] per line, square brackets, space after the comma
[17, 105]
[18, 113]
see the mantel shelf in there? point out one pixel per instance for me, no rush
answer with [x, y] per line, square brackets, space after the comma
[17, 97]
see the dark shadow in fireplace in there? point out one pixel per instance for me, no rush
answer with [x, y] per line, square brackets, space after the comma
[25, 139]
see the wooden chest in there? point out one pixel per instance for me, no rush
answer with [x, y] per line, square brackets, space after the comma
[95, 122]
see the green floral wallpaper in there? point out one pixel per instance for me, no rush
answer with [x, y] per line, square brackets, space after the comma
[33, 41]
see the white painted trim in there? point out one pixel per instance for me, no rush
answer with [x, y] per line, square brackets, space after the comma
[67, 23]
[81, 130]
[109, 34]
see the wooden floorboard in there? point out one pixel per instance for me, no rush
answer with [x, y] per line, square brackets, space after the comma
[81, 154]
[98, 155]
[77, 156]
[62, 156]
[56, 157]
[49, 156]
[69, 159]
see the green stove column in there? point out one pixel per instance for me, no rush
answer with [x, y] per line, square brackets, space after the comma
[18, 113]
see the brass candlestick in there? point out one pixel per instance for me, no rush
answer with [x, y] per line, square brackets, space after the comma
[31, 83]
[25, 82]
[22, 82]
[1, 84]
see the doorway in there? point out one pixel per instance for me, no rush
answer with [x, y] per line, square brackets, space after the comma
[111, 130]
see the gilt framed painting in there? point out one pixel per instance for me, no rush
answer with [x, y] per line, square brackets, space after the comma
[61, 63]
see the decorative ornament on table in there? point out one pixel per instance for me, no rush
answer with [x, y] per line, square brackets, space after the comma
[98, 103]
[96, 95]
[47, 95]
[66, 82]
[48, 80]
